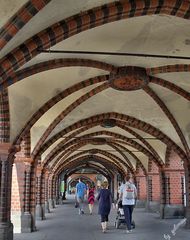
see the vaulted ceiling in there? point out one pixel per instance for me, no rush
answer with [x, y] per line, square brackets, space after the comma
[128, 108]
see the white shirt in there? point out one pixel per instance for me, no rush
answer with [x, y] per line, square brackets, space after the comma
[124, 200]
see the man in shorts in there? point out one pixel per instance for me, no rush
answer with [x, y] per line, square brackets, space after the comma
[80, 193]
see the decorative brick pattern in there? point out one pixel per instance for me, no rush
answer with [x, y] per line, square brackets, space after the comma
[107, 172]
[163, 107]
[53, 64]
[141, 183]
[110, 158]
[170, 86]
[84, 159]
[127, 140]
[84, 21]
[4, 200]
[154, 181]
[71, 107]
[29, 10]
[129, 121]
[56, 99]
[169, 69]
[173, 174]
[27, 187]
[138, 136]
[4, 117]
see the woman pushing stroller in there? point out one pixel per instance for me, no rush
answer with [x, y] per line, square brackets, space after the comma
[128, 195]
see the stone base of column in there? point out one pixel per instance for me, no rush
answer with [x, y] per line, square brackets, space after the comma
[16, 221]
[39, 212]
[54, 203]
[60, 201]
[26, 223]
[57, 201]
[51, 203]
[153, 206]
[47, 210]
[187, 215]
[33, 224]
[6, 231]
[43, 211]
[173, 211]
[140, 204]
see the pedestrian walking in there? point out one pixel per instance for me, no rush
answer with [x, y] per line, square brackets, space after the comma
[105, 200]
[80, 194]
[90, 196]
[128, 195]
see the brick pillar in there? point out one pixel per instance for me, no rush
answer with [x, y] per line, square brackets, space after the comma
[153, 185]
[187, 183]
[115, 187]
[54, 192]
[47, 210]
[6, 227]
[172, 187]
[33, 198]
[57, 187]
[26, 218]
[43, 196]
[50, 183]
[39, 215]
[141, 184]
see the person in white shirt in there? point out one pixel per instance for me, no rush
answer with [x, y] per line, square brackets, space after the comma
[128, 195]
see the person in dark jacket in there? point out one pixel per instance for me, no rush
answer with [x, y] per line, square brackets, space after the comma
[105, 200]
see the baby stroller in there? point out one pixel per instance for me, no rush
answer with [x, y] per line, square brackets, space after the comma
[120, 218]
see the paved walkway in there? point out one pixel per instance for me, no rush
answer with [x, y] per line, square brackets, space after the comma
[64, 223]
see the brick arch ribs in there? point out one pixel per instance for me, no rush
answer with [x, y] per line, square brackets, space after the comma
[53, 64]
[4, 117]
[102, 152]
[56, 99]
[132, 122]
[130, 141]
[70, 108]
[96, 158]
[90, 19]
[104, 172]
[25, 13]
[75, 62]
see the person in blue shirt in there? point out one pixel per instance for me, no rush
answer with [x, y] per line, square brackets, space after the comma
[80, 194]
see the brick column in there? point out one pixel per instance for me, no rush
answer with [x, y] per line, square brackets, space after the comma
[26, 218]
[39, 215]
[47, 210]
[6, 227]
[115, 184]
[57, 190]
[33, 198]
[43, 196]
[187, 183]
[153, 185]
[54, 192]
[51, 201]
[172, 187]
[141, 184]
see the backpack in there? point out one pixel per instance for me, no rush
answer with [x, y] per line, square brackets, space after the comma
[129, 191]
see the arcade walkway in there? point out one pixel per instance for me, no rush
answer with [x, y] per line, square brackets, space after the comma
[64, 223]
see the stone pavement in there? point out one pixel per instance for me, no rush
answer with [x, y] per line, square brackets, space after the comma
[64, 223]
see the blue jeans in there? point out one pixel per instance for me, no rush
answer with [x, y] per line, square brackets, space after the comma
[128, 210]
